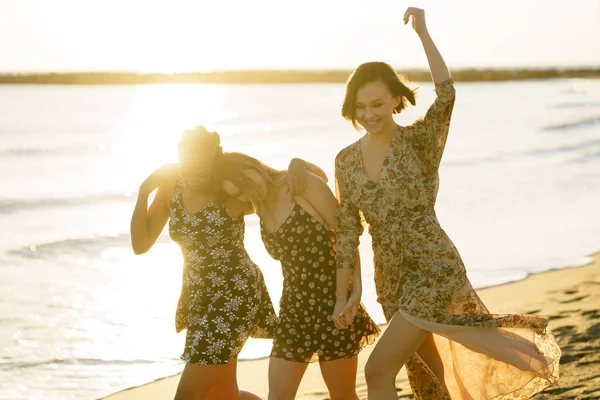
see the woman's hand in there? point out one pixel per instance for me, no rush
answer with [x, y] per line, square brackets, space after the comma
[157, 177]
[296, 177]
[418, 19]
[337, 317]
[350, 310]
[315, 169]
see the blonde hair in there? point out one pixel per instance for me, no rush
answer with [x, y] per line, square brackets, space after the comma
[233, 169]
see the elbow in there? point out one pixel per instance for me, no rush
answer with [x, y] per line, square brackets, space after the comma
[139, 249]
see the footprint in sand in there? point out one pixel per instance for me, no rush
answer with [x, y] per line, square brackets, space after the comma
[594, 330]
[592, 314]
[533, 311]
[575, 299]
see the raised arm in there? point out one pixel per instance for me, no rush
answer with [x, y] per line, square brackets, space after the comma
[148, 223]
[437, 66]
[428, 135]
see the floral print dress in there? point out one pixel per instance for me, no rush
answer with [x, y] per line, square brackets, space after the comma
[305, 331]
[224, 299]
[420, 274]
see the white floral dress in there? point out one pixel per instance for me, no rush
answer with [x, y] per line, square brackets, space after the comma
[224, 299]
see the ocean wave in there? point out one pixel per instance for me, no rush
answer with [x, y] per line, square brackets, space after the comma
[576, 105]
[85, 246]
[73, 361]
[13, 205]
[48, 151]
[565, 148]
[585, 122]
[88, 246]
[586, 158]
[474, 161]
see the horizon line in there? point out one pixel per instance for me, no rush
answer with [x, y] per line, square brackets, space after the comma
[296, 70]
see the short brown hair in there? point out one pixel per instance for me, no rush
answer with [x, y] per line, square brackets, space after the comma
[373, 72]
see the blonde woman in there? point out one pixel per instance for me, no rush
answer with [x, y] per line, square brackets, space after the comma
[301, 236]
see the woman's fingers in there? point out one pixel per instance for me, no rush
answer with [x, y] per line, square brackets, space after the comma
[339, 322]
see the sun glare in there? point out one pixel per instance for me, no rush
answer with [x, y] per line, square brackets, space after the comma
[156, 118]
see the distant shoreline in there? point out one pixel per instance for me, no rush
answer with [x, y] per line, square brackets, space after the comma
[281, 76]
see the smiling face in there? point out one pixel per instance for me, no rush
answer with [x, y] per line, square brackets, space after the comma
[374, 92]
[196, 171]
[374, 107]
[199, 151]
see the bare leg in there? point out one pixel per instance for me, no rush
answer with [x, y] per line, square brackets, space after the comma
[226, 387]
[340, 378]
[399, 341]
[429, 353]
[200, 382]
[284, 378]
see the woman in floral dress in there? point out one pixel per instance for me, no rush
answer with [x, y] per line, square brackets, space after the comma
[452, 346]
[224, 300]
[300, 235]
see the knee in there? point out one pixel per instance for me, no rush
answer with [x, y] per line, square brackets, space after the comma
[375, 374]
[228, 393]
[198, 392]
[243, 395]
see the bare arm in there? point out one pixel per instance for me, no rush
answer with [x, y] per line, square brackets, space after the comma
[148, 223]
[297, 175]
[437, 66]
[321, 198]
[428, 134]
[237, 208]
[348, 257]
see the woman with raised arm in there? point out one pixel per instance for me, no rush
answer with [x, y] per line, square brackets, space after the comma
[452, 346]
[224, 300]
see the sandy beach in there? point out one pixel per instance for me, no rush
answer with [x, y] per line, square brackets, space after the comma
[570, 296]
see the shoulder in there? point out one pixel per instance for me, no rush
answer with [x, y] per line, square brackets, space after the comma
[315, 183]
[238, 208]
[346, 155]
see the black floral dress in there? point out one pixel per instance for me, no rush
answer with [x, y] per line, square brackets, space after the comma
[304, 331]
[224, 300]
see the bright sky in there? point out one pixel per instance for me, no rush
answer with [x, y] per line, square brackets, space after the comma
[200, 35]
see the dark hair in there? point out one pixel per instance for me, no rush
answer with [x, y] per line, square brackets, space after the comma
[198, 142]
[376, 71]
